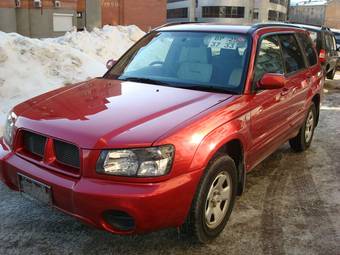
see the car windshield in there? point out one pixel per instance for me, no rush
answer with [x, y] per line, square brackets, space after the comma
[192, 60]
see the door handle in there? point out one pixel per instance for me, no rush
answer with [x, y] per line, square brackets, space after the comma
[309, 78]
[285, 91]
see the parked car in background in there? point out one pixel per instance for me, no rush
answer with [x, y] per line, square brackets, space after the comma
[166, 137]
[336, 33]
[325, 43]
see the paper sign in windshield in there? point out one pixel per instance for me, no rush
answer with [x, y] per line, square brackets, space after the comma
[225, 42]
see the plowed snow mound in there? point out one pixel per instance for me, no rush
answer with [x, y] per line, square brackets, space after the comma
[29, 67]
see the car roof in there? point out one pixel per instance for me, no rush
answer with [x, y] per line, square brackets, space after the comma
[206, 27]
[221, 27]
[335, 31]
[311, 27]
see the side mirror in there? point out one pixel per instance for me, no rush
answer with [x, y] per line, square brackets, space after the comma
[271, 81]
[110, 63]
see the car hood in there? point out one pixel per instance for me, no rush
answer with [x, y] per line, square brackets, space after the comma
[113, 114]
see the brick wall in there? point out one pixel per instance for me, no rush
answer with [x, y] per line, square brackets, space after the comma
[332, 14]
[7, 4]
[145, 14]
[111, 12]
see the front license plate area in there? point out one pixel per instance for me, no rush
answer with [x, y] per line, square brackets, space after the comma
[35, 190]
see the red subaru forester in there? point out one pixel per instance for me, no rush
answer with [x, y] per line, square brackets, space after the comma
[165, 138]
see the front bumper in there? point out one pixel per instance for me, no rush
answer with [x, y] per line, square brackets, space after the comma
[152, 205]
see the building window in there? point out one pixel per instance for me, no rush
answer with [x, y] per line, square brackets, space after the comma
[276, 16]
[256, 14]
[272, 15]
[62, 22]
[174, 1]
[282, 16]
[223, 12]
[177, 13]
[281, 2]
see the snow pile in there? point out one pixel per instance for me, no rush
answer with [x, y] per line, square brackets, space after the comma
[29, 67]
[102, 44]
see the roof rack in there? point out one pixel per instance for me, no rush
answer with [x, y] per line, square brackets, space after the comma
[273, 24]
[306, 26]
[175, 23]
[325, 28]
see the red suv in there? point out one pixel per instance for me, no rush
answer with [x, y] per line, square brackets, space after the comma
[165, 138]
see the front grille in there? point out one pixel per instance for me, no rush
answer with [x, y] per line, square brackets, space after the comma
[34, 143]
[66, 153]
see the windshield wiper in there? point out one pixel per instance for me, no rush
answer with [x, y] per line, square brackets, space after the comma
[145, 80]
[210, 89]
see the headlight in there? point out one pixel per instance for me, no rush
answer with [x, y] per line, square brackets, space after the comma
[145, 162]
[9, 128]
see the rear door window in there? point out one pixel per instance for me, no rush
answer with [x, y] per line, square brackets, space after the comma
[292, 55]
[307, 46]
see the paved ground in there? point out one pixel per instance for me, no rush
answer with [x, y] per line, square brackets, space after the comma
[291, 206]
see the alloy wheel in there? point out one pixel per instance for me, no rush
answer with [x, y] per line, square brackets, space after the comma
[218, 200]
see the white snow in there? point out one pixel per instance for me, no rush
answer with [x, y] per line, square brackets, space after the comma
[29, 67]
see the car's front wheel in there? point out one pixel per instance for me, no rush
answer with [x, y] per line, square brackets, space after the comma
[304, 138]
[214, 200]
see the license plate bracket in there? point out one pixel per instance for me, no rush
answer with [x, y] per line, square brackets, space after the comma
[35, 190]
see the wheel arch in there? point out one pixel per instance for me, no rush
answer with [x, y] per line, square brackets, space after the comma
[234, 149]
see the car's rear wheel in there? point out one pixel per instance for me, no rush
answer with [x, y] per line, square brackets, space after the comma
[214, 200]
[331, 74]
[304, 138]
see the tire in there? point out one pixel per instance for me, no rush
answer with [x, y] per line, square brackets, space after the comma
[331, 74]
[304, 138]
[219, 182]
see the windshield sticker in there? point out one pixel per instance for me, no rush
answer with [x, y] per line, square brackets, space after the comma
[226, 42]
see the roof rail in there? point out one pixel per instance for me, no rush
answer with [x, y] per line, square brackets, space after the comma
[310, 26]
[325, 28]
[257, 26]
[273, 24]
[175, 23]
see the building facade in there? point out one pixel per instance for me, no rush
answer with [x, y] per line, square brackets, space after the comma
[310, 12]
[50, 18]
[227, 11]
[332, 14]
[38, 18]
[145, 14]
[318, 13]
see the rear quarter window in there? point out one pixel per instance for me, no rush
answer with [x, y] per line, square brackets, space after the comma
[308, 49]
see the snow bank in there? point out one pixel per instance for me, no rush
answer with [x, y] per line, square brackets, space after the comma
[29, 67]
[102, 44]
